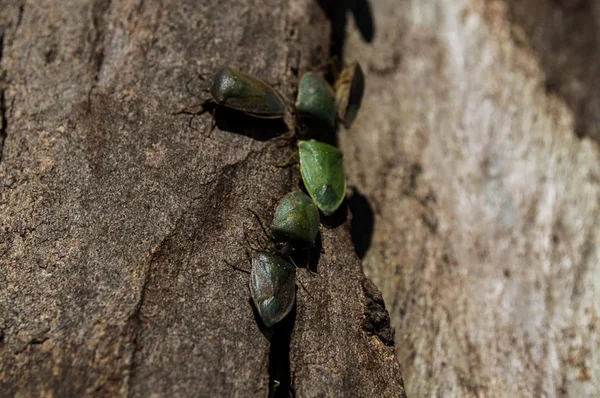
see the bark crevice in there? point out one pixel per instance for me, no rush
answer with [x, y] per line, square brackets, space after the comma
[3, 118]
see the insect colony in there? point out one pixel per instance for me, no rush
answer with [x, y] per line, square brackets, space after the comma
[295, 226]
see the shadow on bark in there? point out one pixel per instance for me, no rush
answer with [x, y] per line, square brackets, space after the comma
[337, 12]
[564, 36]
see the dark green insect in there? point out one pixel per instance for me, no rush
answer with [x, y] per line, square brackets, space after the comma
[236, 90]
[273, 287]
[322, 171]
[316, 104]
[349, 89]
[296, 222]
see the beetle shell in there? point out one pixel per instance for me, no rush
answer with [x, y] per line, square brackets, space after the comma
[316, 102]
[296, 220]
[236, 90]
[322, 171]
[349, 90]
[273, 287]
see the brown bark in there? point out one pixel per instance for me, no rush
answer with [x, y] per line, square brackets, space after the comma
[486, 201]
[118, 219]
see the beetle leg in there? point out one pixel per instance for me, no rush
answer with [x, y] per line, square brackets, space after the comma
[308, 264]
[200, 86]
[248, 257]
[197, 109]
[252, 246]
[214, 122]
[187, 87]
[194, 110]
[333, 63]
[289, 161]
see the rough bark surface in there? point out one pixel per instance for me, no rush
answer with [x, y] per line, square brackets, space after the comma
[117, 218]
[486, 241]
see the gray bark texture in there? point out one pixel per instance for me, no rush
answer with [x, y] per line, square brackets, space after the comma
[477, 149]
[118, 219]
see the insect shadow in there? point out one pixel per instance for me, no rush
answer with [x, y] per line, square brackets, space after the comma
[362, 224]
[337, 218]
[337, 12]
[309, 258]
[230, 120]
[279, 357]
[279, 337]
[239, 123]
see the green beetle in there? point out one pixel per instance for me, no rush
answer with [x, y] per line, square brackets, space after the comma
[296, 222]
[315, 104]
[322, 171]
[235, 90]
[349, 89]
[273, 287]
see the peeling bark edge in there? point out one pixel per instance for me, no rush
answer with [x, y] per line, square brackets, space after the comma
[377, 318]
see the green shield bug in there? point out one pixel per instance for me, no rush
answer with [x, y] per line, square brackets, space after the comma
[316, 104]
[296, 222]
[236, 90]
[322, 171]
[349, 89]
[273, 287]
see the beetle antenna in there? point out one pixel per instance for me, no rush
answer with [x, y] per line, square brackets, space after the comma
[235, 267]
[262, 223]
[292, 260]
[305, 289]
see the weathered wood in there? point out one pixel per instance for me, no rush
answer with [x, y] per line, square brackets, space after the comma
[117, 219]
[486, 239]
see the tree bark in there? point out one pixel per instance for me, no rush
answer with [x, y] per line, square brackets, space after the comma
[118, 218]
[486, 200]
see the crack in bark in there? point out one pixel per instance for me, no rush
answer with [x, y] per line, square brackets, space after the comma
[135, 319]
[20, 16]
[377, 319]
[3, 119]
[280, 382]
[99, 10]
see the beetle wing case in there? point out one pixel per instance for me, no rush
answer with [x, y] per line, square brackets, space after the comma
[244, 93]
[322, 171]
[273, 287]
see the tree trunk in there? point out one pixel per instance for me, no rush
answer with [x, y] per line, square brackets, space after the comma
[486, 199]
[118, 218]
